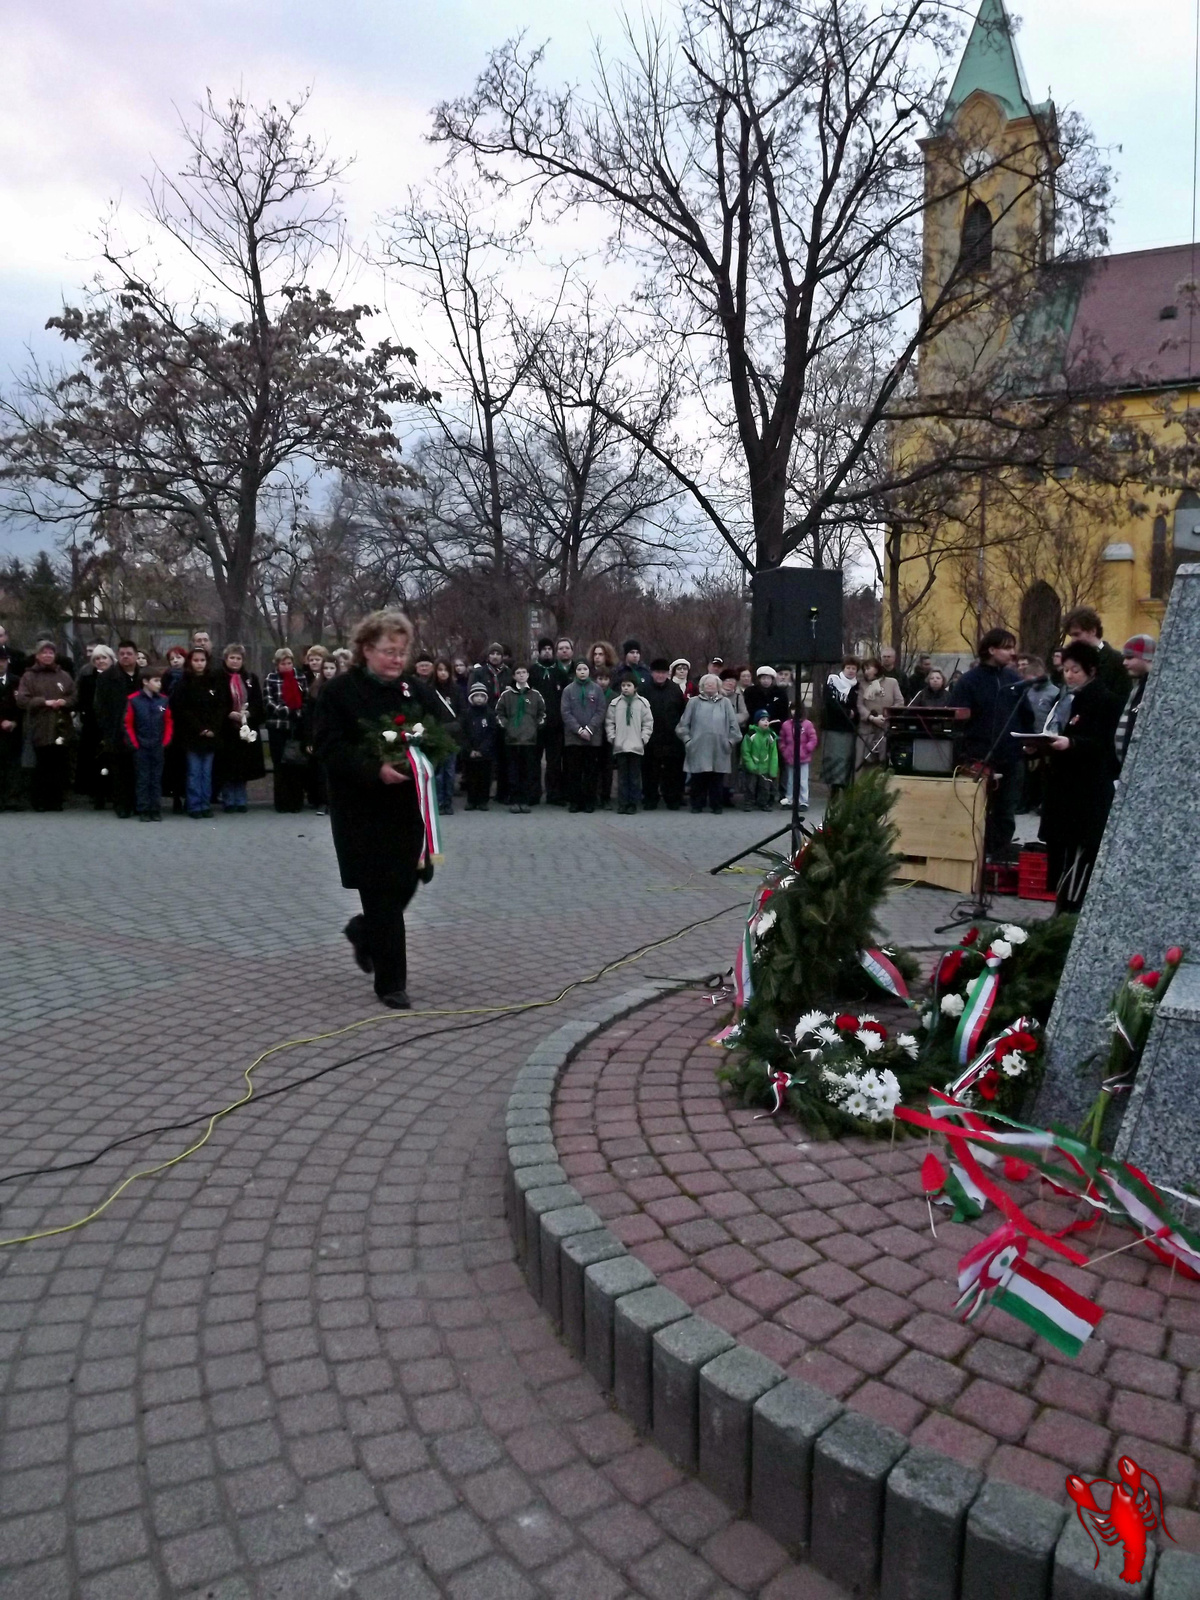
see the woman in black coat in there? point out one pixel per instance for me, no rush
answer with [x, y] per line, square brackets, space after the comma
[1081, 770]
[196, 712]
[239, 759]
[377, 828]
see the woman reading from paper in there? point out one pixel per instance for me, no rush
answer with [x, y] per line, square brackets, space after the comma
[377, 803]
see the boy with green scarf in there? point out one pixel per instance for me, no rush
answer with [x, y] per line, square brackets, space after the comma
[520, 711]
[628, 724]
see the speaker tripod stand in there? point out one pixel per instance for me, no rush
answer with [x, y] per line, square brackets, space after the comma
[795, 826]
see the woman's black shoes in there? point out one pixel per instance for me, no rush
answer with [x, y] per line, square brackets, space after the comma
[426, 872]
[354, 932]
[397, 1001]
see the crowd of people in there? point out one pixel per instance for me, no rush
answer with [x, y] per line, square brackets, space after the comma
[586, 730]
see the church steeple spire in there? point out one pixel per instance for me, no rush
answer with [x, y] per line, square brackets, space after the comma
[991, 63]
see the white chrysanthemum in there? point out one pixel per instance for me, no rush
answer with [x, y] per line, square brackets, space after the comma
[869, 1041]
[908, 1043]
[865, 1016]
[828, 1035]
[809, 1023]
[1001, 948]
[953, 1005]
[857, 1105]
[390, 736]
[1013, 1065]
[763, 923]
[1013, 934]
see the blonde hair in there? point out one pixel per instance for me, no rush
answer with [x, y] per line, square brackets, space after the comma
[317, 650]
[283, 654]
[375, 626]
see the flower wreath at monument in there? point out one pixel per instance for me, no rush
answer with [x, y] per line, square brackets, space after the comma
[425, 746]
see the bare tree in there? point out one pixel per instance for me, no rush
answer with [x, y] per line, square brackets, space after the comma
[191, 409]
[761, 161]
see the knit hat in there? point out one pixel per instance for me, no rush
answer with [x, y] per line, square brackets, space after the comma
[1142, 645]
[479, 689]
[765, 672]
[630, 644]
[495, 649]
[545, 644]
[660, 664]
[760, 715]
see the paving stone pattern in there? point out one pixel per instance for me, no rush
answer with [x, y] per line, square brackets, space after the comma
[820, 1256]
[302, 1363]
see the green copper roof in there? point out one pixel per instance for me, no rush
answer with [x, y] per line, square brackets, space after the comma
[991, 63]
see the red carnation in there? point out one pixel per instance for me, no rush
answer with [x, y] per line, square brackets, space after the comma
[1136, 963]
[873, 1027]
[1150, 979]
[846, 1023]
[948, 968]
[399, 721]
[988, 1084]
[1174, 956]
[1020, 1041]
[970, 936]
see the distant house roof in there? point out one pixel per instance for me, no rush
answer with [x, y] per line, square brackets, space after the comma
[1137, 320]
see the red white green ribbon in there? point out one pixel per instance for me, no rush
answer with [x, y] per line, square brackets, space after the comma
[1055, 1311]
[423, 777]
[885, 973]
[981, 997]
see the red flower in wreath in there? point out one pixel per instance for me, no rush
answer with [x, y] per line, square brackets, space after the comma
[970, 937]
[1136, 963]
[988, 1085]
[1149, 979]
[948, 968]
[1174, 956]
[846, 1023]
[873, 1027]
[1017, 1041]
[400, 720]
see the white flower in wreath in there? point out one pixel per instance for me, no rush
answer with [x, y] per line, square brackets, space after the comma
[908, 1043]
[953, 1005]
[417, 729]
[865, 1016]
[1013, 1064]
[927, 1020]
[763, 924]
[856, 1105]
[60, 740]
[1013, 934]
[1002, 948]
[829, 1035]
[390, 736]
[869, 1041]
[811, 1022]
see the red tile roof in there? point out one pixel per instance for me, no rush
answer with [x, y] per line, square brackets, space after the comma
[1119, 322]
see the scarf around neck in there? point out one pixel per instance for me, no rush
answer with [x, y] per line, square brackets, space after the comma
[293, 695]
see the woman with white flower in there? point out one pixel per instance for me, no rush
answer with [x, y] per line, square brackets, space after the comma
[378, 831]
[46, 694]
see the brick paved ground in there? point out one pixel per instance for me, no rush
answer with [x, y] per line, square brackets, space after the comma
[820, 1255]
[301, 1364]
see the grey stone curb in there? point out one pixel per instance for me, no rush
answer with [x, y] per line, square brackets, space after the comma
[872, 1512]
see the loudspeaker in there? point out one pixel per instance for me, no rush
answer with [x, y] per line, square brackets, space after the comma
[796, 616]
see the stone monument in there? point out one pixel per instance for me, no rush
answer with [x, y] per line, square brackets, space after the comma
[1144, 895]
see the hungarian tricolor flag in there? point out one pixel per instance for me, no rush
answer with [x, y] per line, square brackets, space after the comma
[1047, 1305]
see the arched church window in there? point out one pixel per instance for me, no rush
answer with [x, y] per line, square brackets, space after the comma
[1158, 560]
[1041, 620]
[1185, 535]
[975, 252]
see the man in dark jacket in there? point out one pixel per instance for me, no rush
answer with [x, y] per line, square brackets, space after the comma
[1083, 626]
[1138, 658]
[550, 678]
[16, 661]
[764, 695]
[631, 666]
[113, 689]
[663, 757]
[995, 695]
[496, 676]
[12, 723]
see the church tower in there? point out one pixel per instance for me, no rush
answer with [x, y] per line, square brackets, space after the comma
[989, 192]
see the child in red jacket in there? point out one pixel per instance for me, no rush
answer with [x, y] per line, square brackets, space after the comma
[787, 757]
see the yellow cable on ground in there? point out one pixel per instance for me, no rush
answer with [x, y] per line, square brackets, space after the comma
[336, 1033]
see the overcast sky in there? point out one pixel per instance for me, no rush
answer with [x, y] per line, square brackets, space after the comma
[91, 90]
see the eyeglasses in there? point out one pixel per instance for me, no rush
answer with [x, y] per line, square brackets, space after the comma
[388, 652]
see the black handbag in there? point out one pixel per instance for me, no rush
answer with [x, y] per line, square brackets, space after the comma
[293, 754]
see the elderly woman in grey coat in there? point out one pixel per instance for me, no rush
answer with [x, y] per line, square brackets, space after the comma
[709, 730]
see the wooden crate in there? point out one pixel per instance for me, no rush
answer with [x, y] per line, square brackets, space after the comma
[941, 822]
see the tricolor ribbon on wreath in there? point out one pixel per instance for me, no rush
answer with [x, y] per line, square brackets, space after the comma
[423, 777]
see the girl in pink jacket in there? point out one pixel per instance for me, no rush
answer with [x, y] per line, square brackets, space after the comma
[787, 756]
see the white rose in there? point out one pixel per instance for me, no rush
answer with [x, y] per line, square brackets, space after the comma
[60, 740]
[390, 736]
[1001, 948]
[953, 1005]
[104, 772]
[1013, 934]
[927, 1020]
